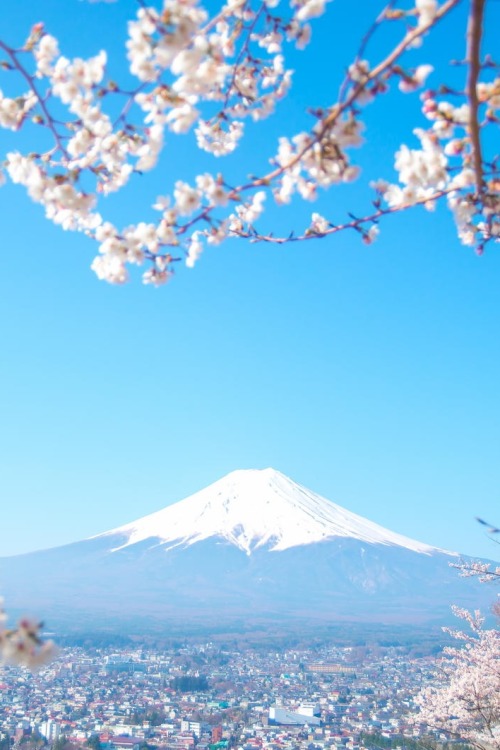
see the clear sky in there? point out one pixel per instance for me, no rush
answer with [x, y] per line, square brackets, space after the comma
[369, 374]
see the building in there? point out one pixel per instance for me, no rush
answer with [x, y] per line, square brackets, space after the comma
[331, 669]
[50, 730]
[280, 715]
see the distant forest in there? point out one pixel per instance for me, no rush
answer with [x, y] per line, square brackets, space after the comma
[417, 641]
[189, 683]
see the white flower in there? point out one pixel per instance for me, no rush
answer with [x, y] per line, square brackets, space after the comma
[212, 137]
[371, 235]
[216, 236]
[393, 196]
[110, 268]
[351, 173]
[81, 142]
[235, 225]
[424, 168]
[319, 224]
[166, 233]
[249, 212]
[11, 112]
[24, 645]
[187, 199]
[145, 234]
[418, 79]
[212, 189]
[180, 119]
[359, 71]
[454, 147]
[465, 178]
[310, 9]
[162, 203]
[105, 231]
[195, 250]
[156, 277]
[379, 185]
[46, 50]
[150, 150]
[426, 10]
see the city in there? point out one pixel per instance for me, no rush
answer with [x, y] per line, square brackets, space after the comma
[207, 696]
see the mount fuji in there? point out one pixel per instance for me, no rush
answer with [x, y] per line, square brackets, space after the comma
[254, 547]
[253, 509]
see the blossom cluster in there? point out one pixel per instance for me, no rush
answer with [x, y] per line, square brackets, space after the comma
[465, 698]
[443, 166]
[484, 572]
[24, 645]
[217, 75]
[317, 160]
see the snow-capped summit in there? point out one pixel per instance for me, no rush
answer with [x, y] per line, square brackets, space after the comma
[254, 549]
[253, 509]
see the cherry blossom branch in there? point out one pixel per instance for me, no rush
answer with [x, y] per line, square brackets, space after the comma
[464, 700]
[383, 15]
[243, 51]
[185, 62]
[485, 572]
[474, 34]
[128, 104]
[337, 110]
[24, 644]
[11, 53]
[356, 223]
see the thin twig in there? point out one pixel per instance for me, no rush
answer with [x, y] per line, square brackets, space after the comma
[364, 43]
[241, 55]
[48, 119]
[358, 224]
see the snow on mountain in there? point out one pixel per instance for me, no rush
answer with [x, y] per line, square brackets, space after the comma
[252, 509]
[253, 550]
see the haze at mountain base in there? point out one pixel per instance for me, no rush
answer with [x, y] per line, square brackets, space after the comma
[252, 547]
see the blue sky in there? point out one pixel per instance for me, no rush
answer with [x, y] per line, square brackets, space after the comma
[369, 374]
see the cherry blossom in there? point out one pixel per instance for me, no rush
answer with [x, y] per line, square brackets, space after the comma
[24, 644]
[219, 74]
[464, 701]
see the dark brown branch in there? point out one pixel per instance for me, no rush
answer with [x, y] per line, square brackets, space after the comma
[361, 224]
[474, 34]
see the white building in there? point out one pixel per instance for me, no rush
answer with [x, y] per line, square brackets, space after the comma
[50, 730]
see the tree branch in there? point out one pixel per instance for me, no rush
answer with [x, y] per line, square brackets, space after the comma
[49, 122]
[474, 34]
[338, 109]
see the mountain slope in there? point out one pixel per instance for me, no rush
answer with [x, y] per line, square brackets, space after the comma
[253, 509]
[254, 547]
